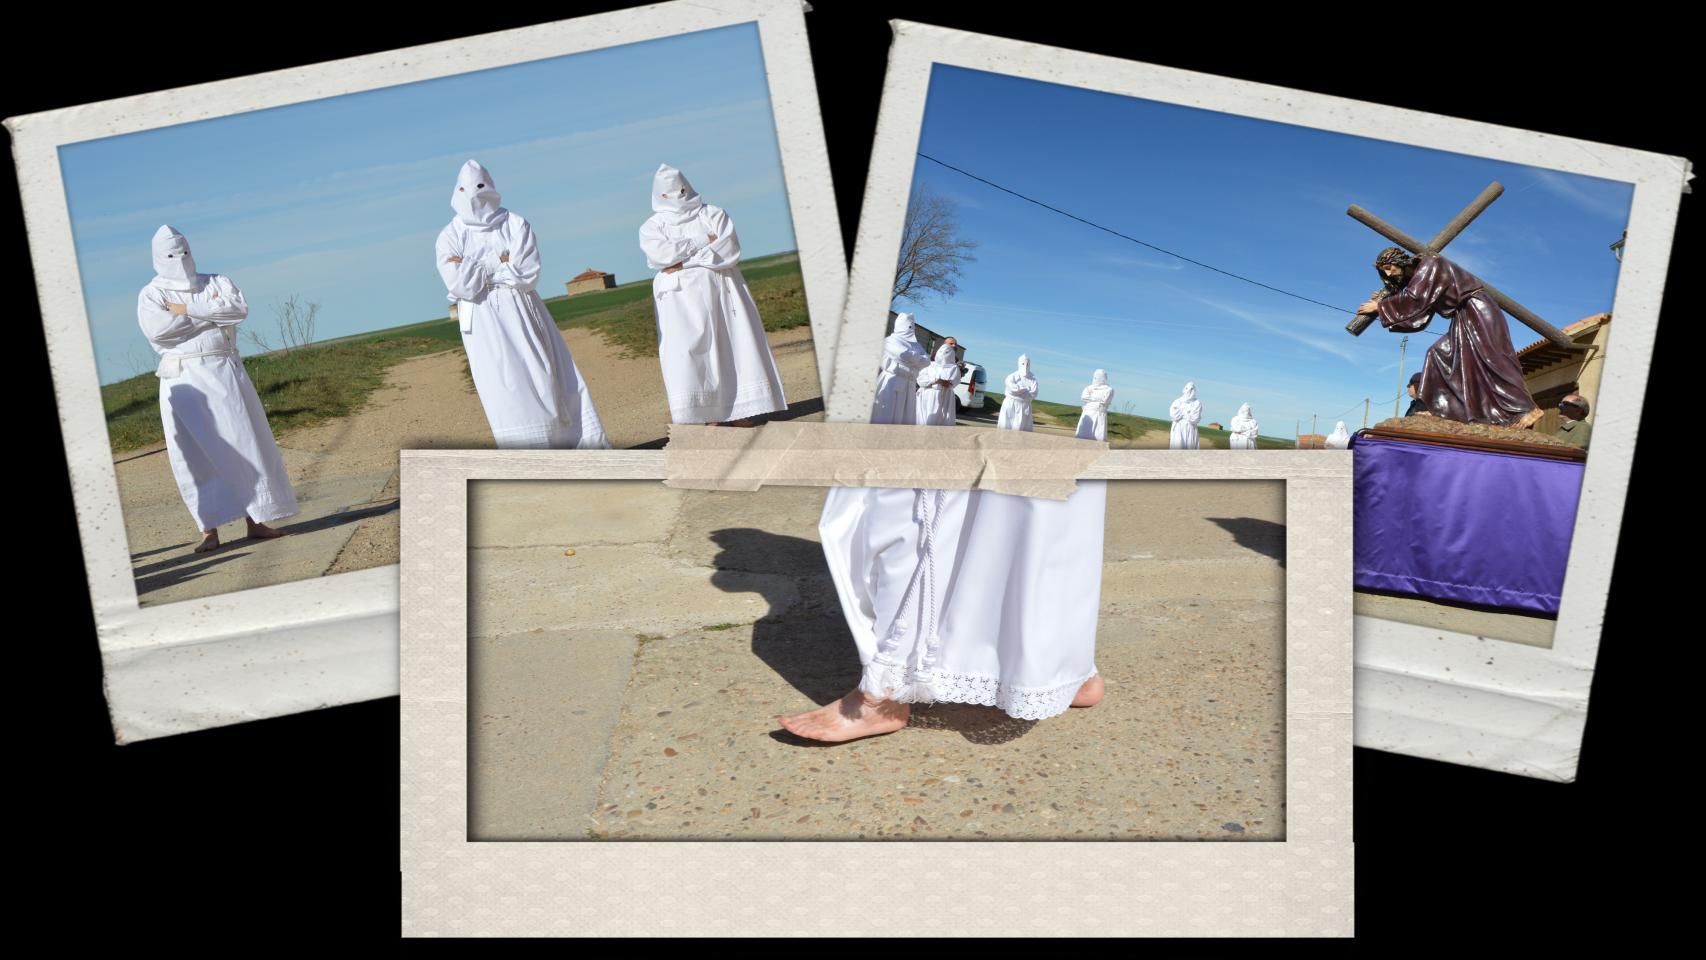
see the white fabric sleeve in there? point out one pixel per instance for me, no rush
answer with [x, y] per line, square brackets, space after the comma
[465, 280]
[227, 307]
[523, 269]
[162, 327]
[659, 249]
[723, 252]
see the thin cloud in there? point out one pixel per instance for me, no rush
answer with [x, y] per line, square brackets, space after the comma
[1599, 202]
[1323, 344]
[1119, 261]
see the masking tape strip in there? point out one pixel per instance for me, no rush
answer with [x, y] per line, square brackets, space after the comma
[815, 454]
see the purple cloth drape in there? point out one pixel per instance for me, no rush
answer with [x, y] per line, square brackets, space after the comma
[1464, 525]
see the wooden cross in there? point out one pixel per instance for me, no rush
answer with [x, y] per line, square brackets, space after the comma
[1445, 236]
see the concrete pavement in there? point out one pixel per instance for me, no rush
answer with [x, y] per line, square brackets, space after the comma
[627, 691]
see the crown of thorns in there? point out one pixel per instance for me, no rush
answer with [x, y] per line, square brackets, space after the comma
[1395, 255]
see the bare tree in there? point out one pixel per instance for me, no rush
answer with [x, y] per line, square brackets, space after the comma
[932, 252]
[295, 323]
[138, 361]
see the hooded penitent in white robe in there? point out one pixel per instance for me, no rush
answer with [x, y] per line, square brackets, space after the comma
[1093, 419]
[1021, 390]
[897, 385]
[1186, 413]
[936, 401]
[716, 360]
[1244, 429]
[533, 393]
[1340, 438]
[967, 596]
[217, 438]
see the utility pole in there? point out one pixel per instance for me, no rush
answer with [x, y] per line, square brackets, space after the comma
[1402, 342]
[1365, 413]
[1312, 431]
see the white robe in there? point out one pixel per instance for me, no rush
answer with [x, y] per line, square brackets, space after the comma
[1016, 406]
[1244, 430]
[1093, 418]
[716, 359]
[936, 403]
[1186, 412]
[897, 384]
[1340, 438]
[218, 441]
[532, 392]
[1013, 592]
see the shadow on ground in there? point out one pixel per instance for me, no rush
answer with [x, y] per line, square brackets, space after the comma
[794, 411]
[189, 566]
[805, 639]
[347, 515]
[1263, 536]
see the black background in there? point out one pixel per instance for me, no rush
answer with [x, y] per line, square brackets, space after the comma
[288, 827]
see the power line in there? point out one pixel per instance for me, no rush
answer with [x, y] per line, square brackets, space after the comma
[1123, 236]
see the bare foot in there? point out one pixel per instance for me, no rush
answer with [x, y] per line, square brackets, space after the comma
[853, 716]
[1090, 693]
[209, 542]
[260, 531]
[713, 423]
[742, 422]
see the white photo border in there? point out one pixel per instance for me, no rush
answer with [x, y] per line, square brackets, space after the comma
[1299, 886]
[1420, 691]
[332, 640]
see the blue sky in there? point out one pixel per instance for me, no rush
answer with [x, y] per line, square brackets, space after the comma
[339, 200]
[1261, 199]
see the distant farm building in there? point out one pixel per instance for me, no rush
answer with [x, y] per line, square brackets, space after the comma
[1552, 372]
[1311, 441]
[590, 281]
[1213, 426]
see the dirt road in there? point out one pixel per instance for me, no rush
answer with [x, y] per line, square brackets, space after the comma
[345, 471]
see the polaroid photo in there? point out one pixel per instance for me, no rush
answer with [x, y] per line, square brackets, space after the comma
[1147, 682]
[243, 320]
[1168, 259]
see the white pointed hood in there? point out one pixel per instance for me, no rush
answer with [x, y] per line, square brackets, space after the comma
[904, 327]
[476, 199]
[1099, 378]
[672, 196]
[174, 268]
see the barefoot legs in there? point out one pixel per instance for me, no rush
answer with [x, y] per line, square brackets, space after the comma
[853, 716]
[1090, 693]
[260, 531]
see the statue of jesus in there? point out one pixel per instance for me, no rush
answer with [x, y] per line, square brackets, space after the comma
[1471, 374]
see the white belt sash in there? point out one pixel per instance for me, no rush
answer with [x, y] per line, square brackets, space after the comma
[171, 364]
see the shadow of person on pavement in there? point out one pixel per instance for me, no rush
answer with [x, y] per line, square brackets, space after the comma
[1263, 536]
[803, 636]
[805, 639]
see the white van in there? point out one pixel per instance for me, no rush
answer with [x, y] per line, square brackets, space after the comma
[969, 391]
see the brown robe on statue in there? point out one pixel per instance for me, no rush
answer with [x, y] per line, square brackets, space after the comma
[1471, 374]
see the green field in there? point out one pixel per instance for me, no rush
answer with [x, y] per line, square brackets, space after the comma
[1135, 430]
[333, 378]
